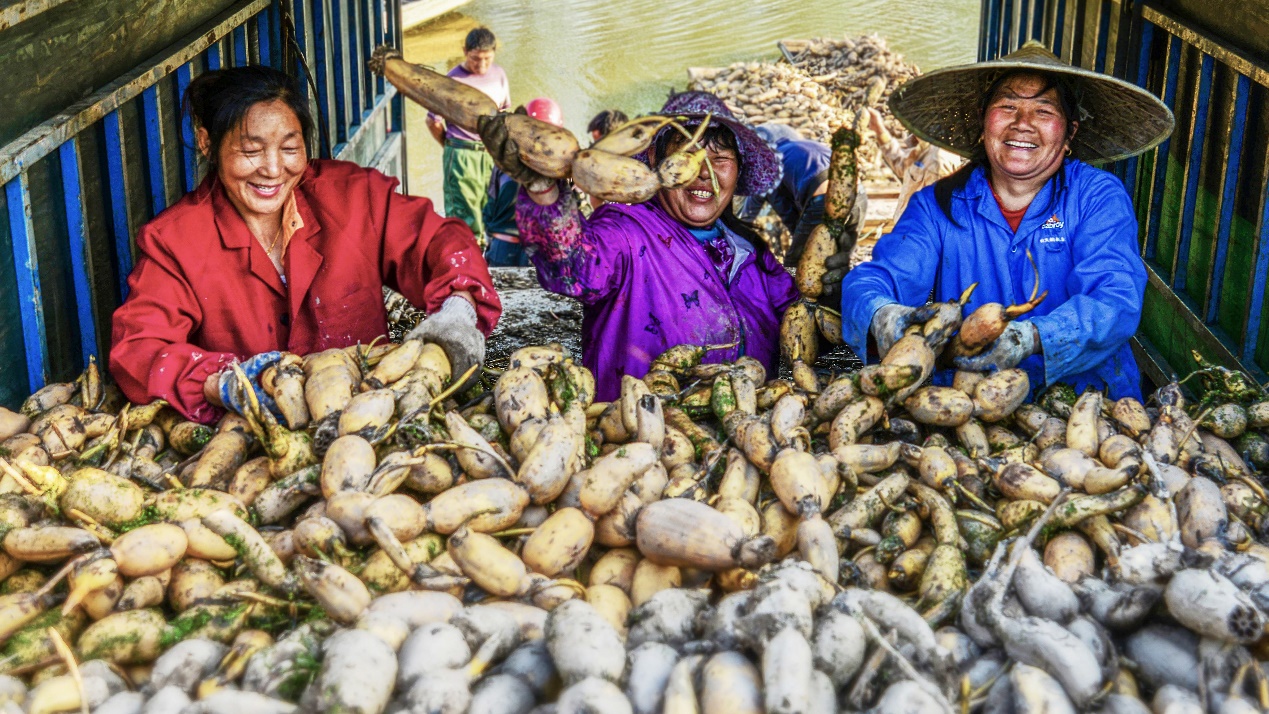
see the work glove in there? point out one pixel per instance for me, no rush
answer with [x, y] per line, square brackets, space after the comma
[506, 154]
[889, 323]
[232, 391]
[453, 328]
[838, 265]
[1019, 341]
[812, 216]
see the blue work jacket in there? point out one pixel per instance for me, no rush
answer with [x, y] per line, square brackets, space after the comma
[805, 168]
[1084, 240]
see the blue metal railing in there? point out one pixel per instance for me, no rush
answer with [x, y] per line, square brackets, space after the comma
[1203, 195]
[1220, 182]
[131, 124]
[1067, 27]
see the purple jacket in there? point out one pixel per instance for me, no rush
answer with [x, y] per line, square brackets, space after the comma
[646, 285]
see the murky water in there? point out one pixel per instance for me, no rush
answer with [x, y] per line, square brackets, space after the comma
[590, 55]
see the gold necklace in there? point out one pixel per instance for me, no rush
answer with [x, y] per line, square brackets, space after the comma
[276, 236]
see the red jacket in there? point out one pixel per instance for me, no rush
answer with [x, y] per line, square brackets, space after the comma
[204, 291]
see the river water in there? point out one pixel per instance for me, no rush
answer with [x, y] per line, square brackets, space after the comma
[589, 55]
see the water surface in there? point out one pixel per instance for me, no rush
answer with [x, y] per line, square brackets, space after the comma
[589, 55]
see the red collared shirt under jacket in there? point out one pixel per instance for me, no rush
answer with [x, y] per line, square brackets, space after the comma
[204, 291]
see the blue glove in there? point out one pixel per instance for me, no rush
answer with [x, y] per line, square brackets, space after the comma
[1019, 341]
[889, 323]
[231, 393]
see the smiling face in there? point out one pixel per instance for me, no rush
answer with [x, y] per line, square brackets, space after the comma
[697, 204]
[260, 162]
[1025, 131]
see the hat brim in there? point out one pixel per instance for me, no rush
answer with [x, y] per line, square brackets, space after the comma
[1122, 120]
[760, 166]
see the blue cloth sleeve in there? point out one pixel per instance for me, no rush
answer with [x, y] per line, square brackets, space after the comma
[1106, 283]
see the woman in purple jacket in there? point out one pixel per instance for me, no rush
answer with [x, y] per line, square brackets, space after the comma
[679, 269]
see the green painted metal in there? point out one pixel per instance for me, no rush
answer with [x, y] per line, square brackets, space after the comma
[42, 139]
[18, 11]
[52, 58]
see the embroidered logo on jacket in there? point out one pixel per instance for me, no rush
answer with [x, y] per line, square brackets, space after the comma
[1053, 222]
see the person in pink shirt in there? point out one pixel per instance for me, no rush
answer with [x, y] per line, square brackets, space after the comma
[465, 163]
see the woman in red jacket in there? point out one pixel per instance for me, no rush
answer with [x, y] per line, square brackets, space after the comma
[276, 252]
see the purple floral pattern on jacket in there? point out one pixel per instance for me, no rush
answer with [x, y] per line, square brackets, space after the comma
[646, 284]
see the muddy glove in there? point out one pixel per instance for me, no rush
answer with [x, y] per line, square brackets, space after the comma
[453, 328]
[889, 323]
[838, 265]
[1019, 341]
[506, 154]
[232, 394]
[812, 216]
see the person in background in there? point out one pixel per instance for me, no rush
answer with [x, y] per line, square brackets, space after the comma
[274, 251]
[504, 249]
[1027, 122]
[604, 122]
[678, 269]
[915, 163]
[464, 162]
[799, 198]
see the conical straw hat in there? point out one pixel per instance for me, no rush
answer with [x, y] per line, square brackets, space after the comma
[1118, 119]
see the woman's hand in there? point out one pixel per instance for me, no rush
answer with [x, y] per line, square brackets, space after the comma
[225, 388]
[436, 127]
[506, 153]
[878, 126]
[1019, 341]
[838, 264]
[453, 328]
[889, 323]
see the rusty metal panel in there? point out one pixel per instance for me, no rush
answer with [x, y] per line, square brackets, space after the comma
[72, 48]
[1240, 23]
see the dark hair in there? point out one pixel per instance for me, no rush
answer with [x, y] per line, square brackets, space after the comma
[717, 136]
[480, 39]
[606, 121]
[1068, 99]
[218, 101]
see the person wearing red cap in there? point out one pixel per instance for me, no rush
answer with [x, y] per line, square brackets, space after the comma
[545, 109]
[499, 214]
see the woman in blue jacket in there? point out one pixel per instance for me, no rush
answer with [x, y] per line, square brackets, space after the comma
[1028, 123]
